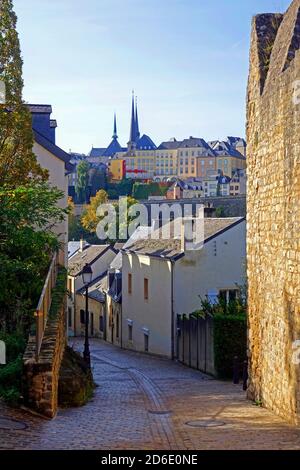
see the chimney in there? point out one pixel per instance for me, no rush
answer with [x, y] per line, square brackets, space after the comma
[187, 232]
[82, 245]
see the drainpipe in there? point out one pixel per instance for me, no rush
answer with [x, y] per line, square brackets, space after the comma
[104, 318]
[172, 311]
[121, 324]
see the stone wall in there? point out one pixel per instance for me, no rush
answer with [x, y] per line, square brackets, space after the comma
[234, 206]
[273, 203]
[41, 378]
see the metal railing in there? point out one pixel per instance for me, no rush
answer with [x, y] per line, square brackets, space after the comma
[44, 304]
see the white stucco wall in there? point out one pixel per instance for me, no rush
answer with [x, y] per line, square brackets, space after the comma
[58, 178]
[219, 265]
[153, 314]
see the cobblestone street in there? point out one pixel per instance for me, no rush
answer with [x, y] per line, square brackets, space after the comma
[145, 403]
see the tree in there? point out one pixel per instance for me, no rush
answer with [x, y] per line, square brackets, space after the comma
[73, 221]
[18, 163]
[124, 188]
[98, 180]
[89, 219]
[28, 215]
[81, 188]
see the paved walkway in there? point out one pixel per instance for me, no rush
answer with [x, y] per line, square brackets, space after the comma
[145, 403]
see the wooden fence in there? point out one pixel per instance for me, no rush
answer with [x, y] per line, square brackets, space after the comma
[195, 342]
[44, 304]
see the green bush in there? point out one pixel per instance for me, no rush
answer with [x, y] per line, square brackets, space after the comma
[15, 345]
[142, 191]
[58, 293]
[230, 340]
[11, 381]
[11, 373]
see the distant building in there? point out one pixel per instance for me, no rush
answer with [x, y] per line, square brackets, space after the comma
[166, 161]
[101, 155]
[228, 158]
[185, 190]
[195, 158]
[223, 186]
[238, 184]
[116, 169]
[210, 185]
[140, 154]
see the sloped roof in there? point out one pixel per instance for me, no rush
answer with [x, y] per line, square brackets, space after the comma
[171, 248]
[54, 149]
[140, 233]
[236, 141]
[97, 288]
[89, 255]
[170, 145]
[73, 247]
[97, 152]
[145, 143]
[224, 179]
[113, 148]
[186, 185]
[194, 142]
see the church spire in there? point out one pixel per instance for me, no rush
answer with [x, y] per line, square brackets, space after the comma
[138, 135]
[115, 134]
[132, 138]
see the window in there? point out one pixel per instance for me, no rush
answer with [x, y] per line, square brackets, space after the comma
[70, 285]
[70, 317]
[129, 283]
[228, 295]
[146, 343]
[146, 289]
[101, 323]
[236, 188]
[129, 332]
[82, 317]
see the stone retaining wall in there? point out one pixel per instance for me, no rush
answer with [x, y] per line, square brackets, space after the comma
[40, 379]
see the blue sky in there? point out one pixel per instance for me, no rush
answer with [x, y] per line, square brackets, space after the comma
[186, 59]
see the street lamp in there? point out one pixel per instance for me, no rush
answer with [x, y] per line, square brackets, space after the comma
[87, 275]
